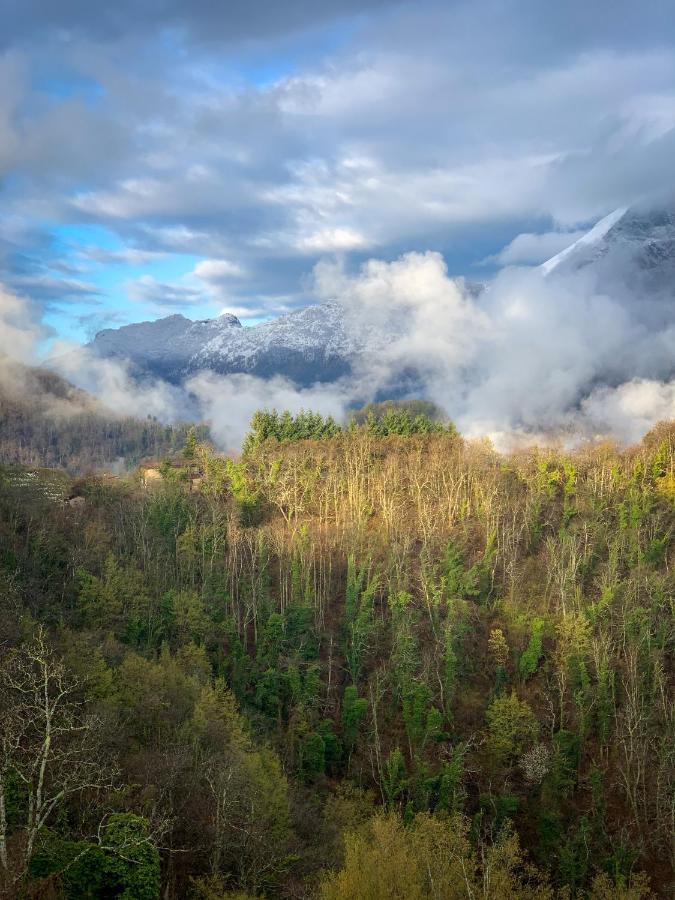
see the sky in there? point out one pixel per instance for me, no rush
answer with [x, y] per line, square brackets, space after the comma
[161, 157]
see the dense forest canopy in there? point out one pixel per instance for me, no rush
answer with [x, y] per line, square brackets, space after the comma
[414, 408]
[348, 665]
[402, 417]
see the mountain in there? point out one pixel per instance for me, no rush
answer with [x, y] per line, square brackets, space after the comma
[630, 249]
[309, 345]
[587, 248]
[163, 347]
[630, 255]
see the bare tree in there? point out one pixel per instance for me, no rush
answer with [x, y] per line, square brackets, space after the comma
[48, 744]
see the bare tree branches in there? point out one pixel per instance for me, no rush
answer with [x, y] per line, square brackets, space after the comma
[48, 744]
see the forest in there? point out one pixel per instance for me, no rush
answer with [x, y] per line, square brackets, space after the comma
[373, 662]
[46, 421]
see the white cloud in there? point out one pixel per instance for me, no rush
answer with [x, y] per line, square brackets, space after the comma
[113, 384]
[21, 328]
[531, 249]
[527, 356]
[331, 240]
[216, 270]
[631, 409]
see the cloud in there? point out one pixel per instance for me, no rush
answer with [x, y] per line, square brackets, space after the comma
[332, 240]
[161, 296]
[217, 270]
[22, 332]
[264, 138]
[47, 287]
[531, 357]
[113, 384]
[531, 249]
[200, 20]
[528, 355]
[130, 256]
[631, 409]
[21, 328]
[203, 130]
[228, 402]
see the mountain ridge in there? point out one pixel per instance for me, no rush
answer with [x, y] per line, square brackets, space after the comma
[630, 253]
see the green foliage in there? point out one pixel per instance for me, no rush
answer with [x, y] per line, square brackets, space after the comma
[394, 777]
[405, 651]
[354, 709]
[529, 659]
[247, 499]
[563, 776]
[431, 857]
[450, 796]
[402, 421]
[497, 811]
[313, 755]
[359, 617]
[512, 728]
[574, 855]
[284, 427]
[423, 722]
[124, 863]
[414, 408]
[190, 448]
[468, 583]
[329, 628]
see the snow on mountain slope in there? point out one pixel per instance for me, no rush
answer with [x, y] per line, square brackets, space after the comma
[312, 344]
[163, 347]
[586, 244]
[314, 329]
[629, 256]
[629, 251]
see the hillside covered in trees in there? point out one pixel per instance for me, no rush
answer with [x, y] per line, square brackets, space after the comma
[352, 664]
[46, 421]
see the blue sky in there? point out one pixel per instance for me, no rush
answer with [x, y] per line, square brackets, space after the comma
[165, 157]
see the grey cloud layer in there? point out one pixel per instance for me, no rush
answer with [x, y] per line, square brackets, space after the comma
[413, 127]
[202, 20]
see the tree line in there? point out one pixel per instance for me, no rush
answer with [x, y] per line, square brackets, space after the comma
[402, 417]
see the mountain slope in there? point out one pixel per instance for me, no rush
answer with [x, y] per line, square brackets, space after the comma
[629, 248]
[46, 421]
[312, 344]
[163, 347]
[588, 245]
[629, 255]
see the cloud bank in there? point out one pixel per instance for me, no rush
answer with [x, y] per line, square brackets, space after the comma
[264, 136]
[574, 355]
[532, 357]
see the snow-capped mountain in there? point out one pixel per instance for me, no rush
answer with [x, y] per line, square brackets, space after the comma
[629, 255]
[629, 249]
[587, 247]
[312, 344]
[163, 347]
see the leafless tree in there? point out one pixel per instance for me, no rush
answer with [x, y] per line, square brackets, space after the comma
[48, 743]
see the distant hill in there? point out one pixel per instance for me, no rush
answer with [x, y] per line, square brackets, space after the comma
[46, 421]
